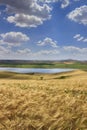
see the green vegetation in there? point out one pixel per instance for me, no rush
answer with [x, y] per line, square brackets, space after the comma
[74, 65]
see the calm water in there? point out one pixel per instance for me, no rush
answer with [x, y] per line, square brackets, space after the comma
[34, 70]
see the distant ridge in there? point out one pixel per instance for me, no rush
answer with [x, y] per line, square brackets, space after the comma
[38, 61]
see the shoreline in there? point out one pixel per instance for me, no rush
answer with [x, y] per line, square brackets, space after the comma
[38, 76]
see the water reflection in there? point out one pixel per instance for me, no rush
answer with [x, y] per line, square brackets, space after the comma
[34, 70]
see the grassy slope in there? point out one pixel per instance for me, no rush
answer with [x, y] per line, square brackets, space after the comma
[54, 102]
[76, 65]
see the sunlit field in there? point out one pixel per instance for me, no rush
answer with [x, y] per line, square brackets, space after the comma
[67, 64]
[43, 101]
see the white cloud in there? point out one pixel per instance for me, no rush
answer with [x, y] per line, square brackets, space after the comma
[78, 37]
[4, 50]
[44, 54]
[71, 49]
[28, 7]
[13, 38]
[27, 13]
[65, 3]
[24, 51]
[73, 52]
[75, 49]
[49, 1]
[47, 52]
[85, 40]
[23, 20]
[66, 52]
[79, 15]
[30, 13]
[47, 41]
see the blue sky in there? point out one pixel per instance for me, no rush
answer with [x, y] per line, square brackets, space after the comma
[43, 29]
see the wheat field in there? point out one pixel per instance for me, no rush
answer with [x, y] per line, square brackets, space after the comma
[44, 101]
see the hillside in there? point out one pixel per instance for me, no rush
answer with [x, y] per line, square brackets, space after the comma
[43, 101]
[44, 64]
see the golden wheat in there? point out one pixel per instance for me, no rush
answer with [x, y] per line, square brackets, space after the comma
[54, 102]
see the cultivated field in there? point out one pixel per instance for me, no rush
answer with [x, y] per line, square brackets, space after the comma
[43, 101]
[51, 64]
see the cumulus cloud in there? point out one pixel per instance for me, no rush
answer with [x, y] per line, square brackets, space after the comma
[75, 49]
[65, 52]
[4, 50]
[47, 41]
[24, 51]
[23, 20]
[26, 13]
[71, 48]
[85, 40]
[65, 3]
[30, 13]
[73, 52]
[49, 1]
[47, 52]
[79, 15]
[78, 37]
[13, 38]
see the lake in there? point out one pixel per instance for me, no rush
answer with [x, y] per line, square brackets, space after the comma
[34, 70]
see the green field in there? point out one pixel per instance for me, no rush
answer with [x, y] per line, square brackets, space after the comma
[74, 65]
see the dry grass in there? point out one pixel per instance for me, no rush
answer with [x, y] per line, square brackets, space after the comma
[54, 102]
